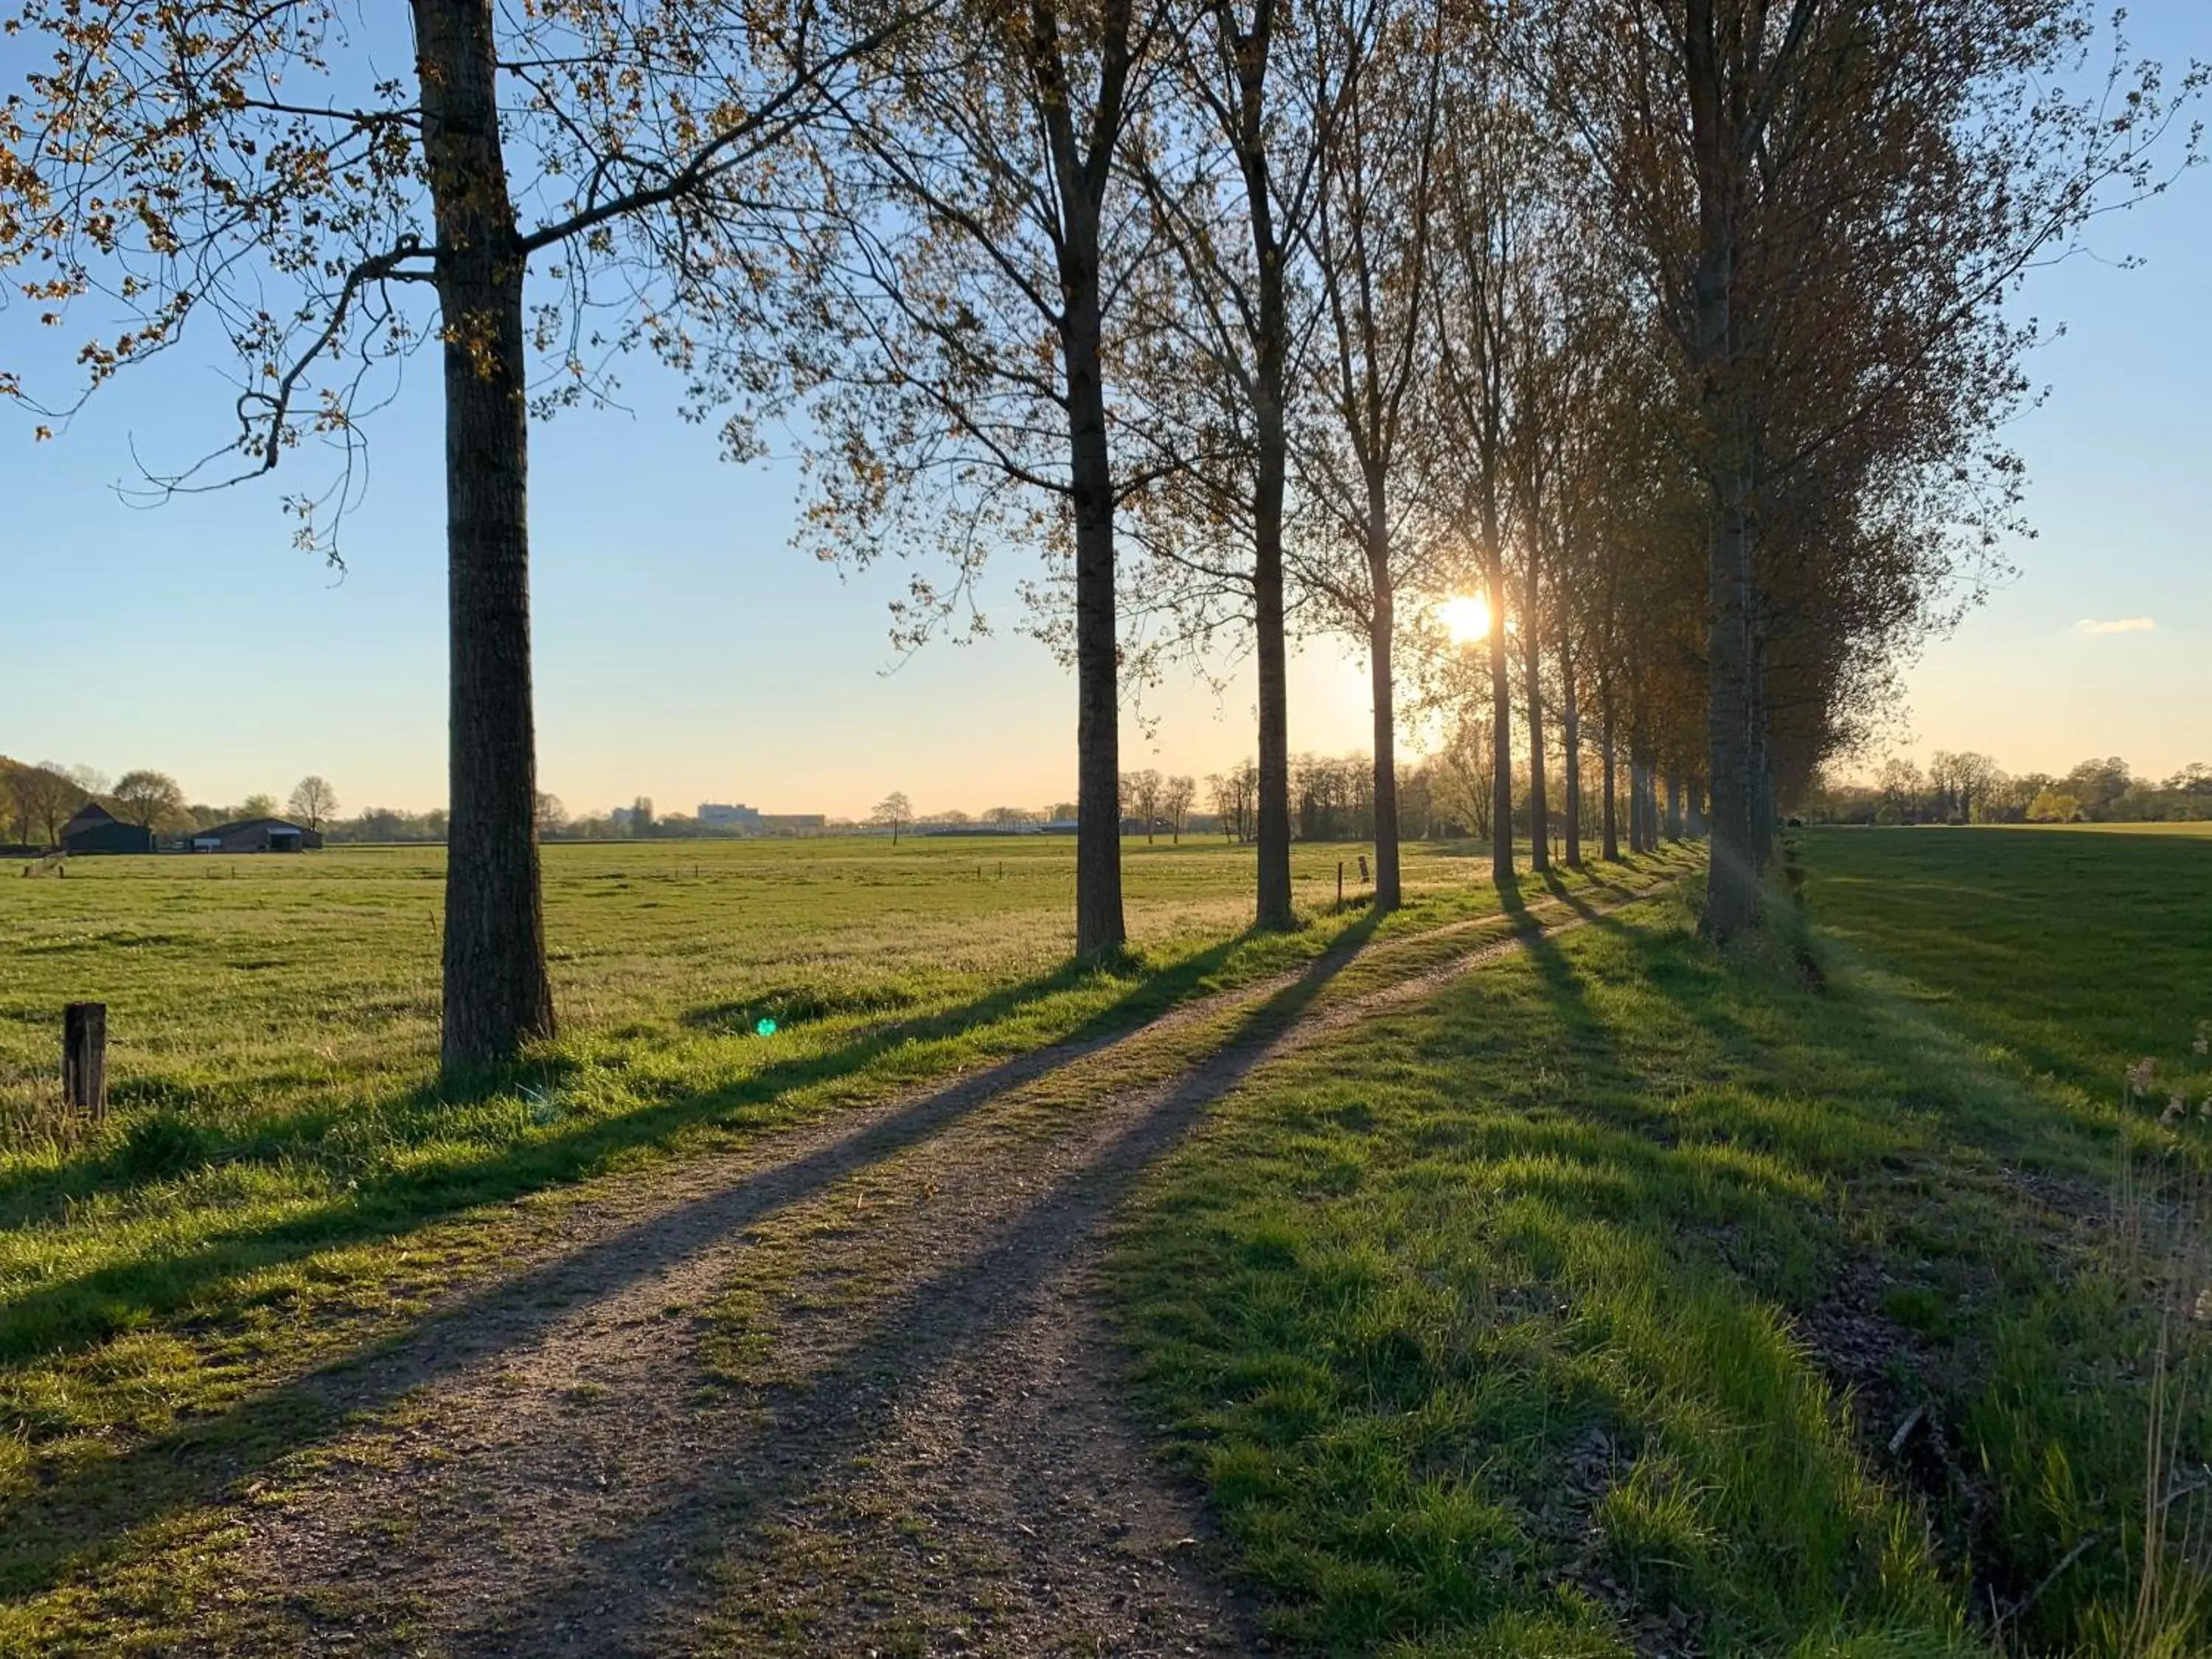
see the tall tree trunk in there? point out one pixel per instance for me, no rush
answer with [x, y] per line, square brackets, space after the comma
[1274, 904]
[1608, 753]
[1380, 627]
[1501, 718]
[1099, 929]
[1764, 815]
[1697, 808]
[1251, 54]
[1640, 774]
[1732, 882]
[1571, 740]
[1719, 156]
[1532, 637]
[496, 993]
[1674, 804]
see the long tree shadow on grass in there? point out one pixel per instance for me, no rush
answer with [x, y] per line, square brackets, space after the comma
[824, 1423]
[821, 1424]
[1677, 1230]
[163, 1146]
[82, 1512]
[73, 1313]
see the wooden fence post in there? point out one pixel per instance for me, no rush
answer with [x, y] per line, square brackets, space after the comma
[84, 1060]
[1339, 883]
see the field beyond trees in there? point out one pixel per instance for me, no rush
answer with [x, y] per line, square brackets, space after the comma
[1509, 1275]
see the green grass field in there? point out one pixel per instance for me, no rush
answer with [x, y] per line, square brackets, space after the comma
[1570, 1311]
[1574, 1313]
[273, 1029]
[242, 986]
[283, 1177]
[2192, 827]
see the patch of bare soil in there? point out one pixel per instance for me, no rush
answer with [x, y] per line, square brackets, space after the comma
[851, 1396]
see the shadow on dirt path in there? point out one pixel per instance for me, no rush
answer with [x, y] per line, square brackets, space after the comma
[918, 1446]
[907, 1437]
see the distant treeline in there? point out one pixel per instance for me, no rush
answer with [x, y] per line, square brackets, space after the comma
[1972, 789]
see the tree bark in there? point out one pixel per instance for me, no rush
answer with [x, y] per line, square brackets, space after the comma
[1716, 148]
[1651, 823]
[1732, 883]
[1275, 901]
[1273, 908]
[1639, 821]
[1571, 740]
[1764, 815]
[497, 995]
[1099, 929]
[1380, 627]
[1532, 637]
[1673, 805]
[1608, 754]
[1501, 718]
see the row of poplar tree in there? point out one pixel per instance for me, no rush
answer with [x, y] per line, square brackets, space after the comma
[1680, 329]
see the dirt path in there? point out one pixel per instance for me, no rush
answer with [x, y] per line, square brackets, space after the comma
[853, 1396]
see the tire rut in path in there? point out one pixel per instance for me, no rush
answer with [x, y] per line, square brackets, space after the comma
[914, 1442]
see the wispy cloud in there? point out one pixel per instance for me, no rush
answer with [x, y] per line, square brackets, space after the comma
[2117, 625]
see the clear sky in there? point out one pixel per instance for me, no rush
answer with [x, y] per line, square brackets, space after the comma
[686, 651]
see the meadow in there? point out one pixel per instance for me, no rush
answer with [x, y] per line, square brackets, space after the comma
[282, 1176]
[273, 1029]
[1615, 1299]
[240, 987]
[1628, 1301]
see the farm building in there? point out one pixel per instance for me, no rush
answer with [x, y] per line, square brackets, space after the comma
[96, 830]
[256, 836]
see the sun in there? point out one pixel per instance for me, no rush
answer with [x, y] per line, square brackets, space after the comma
[1466, 617]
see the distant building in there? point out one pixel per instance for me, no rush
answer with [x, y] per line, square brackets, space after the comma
[257, 836]
[729, 817]
[96, 830]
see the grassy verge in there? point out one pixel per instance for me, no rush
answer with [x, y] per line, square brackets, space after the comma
[1621, 1301]
[169, 1289]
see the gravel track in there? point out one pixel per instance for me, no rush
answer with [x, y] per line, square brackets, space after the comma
[848, 1392]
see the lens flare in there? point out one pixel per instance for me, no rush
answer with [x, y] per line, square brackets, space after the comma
[1466, 617]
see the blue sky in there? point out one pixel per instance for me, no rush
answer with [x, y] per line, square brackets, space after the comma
[685, 651]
